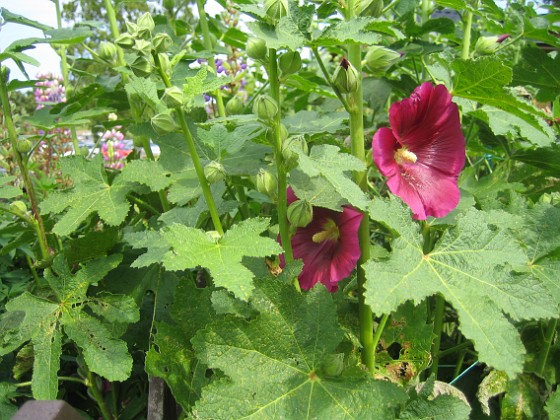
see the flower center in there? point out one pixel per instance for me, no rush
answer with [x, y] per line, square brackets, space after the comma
[403, 155]
[329, 233]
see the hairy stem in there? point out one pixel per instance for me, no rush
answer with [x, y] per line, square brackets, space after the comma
[548, 338]
[438, 328]
[96, 394]
[467, 29]
[327, 76]
[208, 46]
[30, 189]
[280, 164]
[378, 333]
[194, 156]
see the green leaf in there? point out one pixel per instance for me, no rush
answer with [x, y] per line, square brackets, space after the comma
[67, 35]
[312, 122]
[197, 85]
[285, 348]
[442, 407]
[22, 20]
[523, 398]
[317, 190]
[104, 354]
[115, 308]
[538, 69]
[491, 386]
[187, 247]
[545, 158]
[553, 405]
[483, 80]
[472, 266]
[143, 89]
[285, 34]
[146, 172]
[8, 191]
[326, 161]
[355, 31]
[7, 391]
[47, 349]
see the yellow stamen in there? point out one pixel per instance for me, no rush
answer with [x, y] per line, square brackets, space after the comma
[403, 155]
[329, 233]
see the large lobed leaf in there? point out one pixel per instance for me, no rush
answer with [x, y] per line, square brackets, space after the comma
[274, 363]
[472, 266]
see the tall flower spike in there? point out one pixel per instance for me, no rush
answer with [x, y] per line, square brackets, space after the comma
[423, 152]
[328, 246]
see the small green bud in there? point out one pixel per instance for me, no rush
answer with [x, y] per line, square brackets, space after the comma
[146, 25]
[83, 151]
[489, 44]
[288, 153]
[173, 97]
[168, 4]
[234, 105]
[164, 62]
[266, 184]
[132, 28]
[107, 50]
[333, 365]
[163, 123]
[125, 41]
[256, 48]
[214, 172]
[289, 63]
[346, 77]
[371, 8]
[300, 213]
[283, 134]
[4, 74]
[137, 141]
[18, 207]
[162, 42]
[143, 47]
[23, 145]
[379, 59]
[265, 107]
[141, 67]
[276, 9]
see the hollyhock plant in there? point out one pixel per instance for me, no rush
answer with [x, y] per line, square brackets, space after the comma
[423, 152]
[328, 246]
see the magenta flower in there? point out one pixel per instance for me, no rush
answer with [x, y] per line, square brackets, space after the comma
[423, 151]
[328, 246]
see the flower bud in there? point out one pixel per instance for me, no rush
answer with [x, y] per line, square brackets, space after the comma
[275, 9]
[18, 207]
[371, 8]
[164, 63]
[300, 213]
[489, 44]
[289, 155]
[379, 59]
[125, 41]
[234, 105]
[141, 67]
[289, 63]
[4, 74]
[162, 42]
[143, 47]
[168, 4]
[146, 25]
[107, 50]
[266, 184]
[333, 365]
[265, 107]
[163, 123]
[256, 48]
[131, 28]
[214, 172]
[346, 77]
[283, 134]
[23, 145]
[173, 97]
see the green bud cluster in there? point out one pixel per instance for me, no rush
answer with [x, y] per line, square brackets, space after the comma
[107, 50]
[265, 107]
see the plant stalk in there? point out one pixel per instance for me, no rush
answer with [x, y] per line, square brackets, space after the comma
[378, 333]
[356, 105]
[327, 76]
[543, 355]
[467, 29]
[194, 156]
[208, 46]
[92, 385]
[283, 223]
[438, 328]
[30, 190]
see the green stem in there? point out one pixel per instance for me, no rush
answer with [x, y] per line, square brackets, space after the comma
[280, 165]
[64, 68]
[438, 328]
[9, 123]
[244, 208]
[378, 333]
[356, 105]
[141, 203]
[328, 79]
[72, 379]
[208, 46]
[467, 28]
[458, 347]
[194, 156]
[543, 355]
[33, 271]
[96, 394]
[113, 25]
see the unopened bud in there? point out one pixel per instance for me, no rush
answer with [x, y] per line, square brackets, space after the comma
[214, 172]
[234, 105]
[288, 153]
[164, 63]
[173, 97]
[143, 47]
[23, 145]
[256, 48]
[371, 8]
[276, 9]
[333, 365]
[125, 41]
[489, 44]
[162, 42]
[300, 213]
[379, 59]
[141, 67]
[146, 25]
[18, 207]
[131, 28]
[107, 50]
[289, 63]
[283, 134]
[4, 74]
[266, 184]
[265, 107]
[163, 123]
[346, 77]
